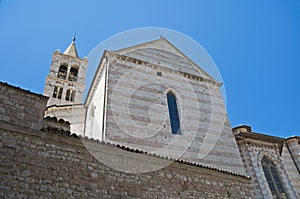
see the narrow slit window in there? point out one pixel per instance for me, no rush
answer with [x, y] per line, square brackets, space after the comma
[70, 95]
[60, 93]
[173, 113]
[55, 92]
[273, 179]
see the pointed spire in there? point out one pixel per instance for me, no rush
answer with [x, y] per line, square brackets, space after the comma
[71, 50]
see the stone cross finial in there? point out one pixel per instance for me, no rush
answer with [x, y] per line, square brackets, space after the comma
[74, 37]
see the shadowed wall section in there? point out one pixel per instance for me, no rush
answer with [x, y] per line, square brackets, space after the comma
[54, 164]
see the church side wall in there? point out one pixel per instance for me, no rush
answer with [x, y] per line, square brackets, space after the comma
[95, 117]
[138, 116]
[37, 164]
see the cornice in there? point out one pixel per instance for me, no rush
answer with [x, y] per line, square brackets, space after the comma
[163, 68]
[70, 57]
[62, 81]
[260, 140]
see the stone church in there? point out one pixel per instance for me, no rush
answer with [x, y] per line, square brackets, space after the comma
[152, 125]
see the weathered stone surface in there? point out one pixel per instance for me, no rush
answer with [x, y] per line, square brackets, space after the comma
[52, 165]
[21, 107]
[136, 112]
[253, 148]
[52, 80]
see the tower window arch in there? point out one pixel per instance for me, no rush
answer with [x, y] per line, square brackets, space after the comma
[70, 95]
[173, 113]
[273, 178]
[57, 92]
[73, 74]
[62, 71]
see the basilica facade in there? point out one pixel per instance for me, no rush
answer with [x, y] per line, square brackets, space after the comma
[152, 99]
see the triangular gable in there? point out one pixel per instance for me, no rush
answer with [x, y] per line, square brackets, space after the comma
[165, 49]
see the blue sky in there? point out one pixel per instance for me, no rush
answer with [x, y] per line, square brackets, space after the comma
[255, 44]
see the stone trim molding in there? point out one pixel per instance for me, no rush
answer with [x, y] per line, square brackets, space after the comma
[259, 140]
[163, 68]
[110, 57]
[273, 157]
[54, 108]
[262, 144]
[53, 123]
[276, 160]
[69, 56]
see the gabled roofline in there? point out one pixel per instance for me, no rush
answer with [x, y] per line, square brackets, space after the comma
[117, 52]
[174, 47]
[135, 46]
[156, 66]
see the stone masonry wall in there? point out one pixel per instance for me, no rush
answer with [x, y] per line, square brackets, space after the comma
[137, 115]
[21, 107]
[252, 152]
[43, 164]
[291, 159]
[52, 80]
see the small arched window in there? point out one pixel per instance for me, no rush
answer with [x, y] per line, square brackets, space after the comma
[62, 72]
[73, 74]
[70, 95]
[273, 179]
[173, 113]
[57, 92]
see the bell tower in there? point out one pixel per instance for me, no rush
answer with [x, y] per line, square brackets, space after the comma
[65, 83]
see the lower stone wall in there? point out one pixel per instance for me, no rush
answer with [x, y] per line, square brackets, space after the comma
[43, 164]
[21, 107]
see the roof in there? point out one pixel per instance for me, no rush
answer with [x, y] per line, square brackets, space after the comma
[244, 131]
[259, 136]
[294, 137]
[163, 44]
[71, 50]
